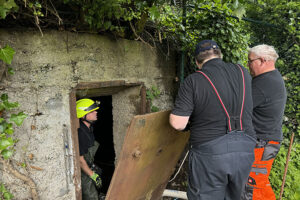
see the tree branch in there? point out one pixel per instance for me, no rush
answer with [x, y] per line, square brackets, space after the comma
[138, 37]
[7, 165]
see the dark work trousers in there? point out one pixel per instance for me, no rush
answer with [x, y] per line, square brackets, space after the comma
[218, 169]
[89, 190]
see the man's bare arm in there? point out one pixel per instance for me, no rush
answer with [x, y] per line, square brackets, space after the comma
[178, 122]
[84, 166]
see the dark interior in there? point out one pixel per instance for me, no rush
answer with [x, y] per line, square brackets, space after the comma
[103, 131]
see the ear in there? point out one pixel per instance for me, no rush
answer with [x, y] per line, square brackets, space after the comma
[198, 65]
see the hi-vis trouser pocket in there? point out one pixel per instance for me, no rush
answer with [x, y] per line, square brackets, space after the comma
[258, 186]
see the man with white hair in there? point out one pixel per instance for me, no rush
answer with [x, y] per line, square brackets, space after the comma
[269, 97]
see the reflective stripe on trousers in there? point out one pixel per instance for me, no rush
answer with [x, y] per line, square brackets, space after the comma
[218, 169]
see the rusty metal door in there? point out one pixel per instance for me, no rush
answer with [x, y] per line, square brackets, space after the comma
[149, 154]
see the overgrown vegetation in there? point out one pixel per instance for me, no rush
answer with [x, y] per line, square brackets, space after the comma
[6, 127]
[7, 121]
[179, 25]
[172, 24]
[151, 94]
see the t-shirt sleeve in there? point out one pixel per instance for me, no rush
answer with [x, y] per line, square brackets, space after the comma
[257, 96]
[184, 103]
[82, 143]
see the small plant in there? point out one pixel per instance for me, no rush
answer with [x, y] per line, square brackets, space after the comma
[7, 143]
[6, 127]
[4, 193]
[37, 8]
[6, 55]
[151, 94]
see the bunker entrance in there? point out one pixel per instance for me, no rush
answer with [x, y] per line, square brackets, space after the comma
[120, 101]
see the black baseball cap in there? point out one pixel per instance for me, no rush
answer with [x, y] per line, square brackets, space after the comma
[205, 45]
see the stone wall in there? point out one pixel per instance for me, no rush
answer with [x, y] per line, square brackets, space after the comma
[46, 70]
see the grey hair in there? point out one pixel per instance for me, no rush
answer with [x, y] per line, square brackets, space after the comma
[266, 51]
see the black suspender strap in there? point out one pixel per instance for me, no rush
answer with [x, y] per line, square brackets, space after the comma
[243, 102]
[230, 127]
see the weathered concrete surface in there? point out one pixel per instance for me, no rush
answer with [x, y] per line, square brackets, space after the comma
[46, 70]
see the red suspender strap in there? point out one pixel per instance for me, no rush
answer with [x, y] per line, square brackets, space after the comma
[220, 99]
[216, 91]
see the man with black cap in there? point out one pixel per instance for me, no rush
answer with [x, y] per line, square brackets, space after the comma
[218, 103]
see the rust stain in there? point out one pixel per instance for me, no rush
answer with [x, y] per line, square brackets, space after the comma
[150, 152]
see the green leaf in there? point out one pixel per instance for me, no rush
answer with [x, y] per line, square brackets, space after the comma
[9, 129]
[107, 24]
[6, 7]
[10, 105]
[7, 153]
[18, 119]
[4, 97]
[2, 107]
[3, 12]
[154, 109]
[2, 188]
[23, 165]
[6, 54]
[10, 4]
[154, 13]
[6, 142]
[240, 12]
[7, 196]
[3, 126]
[236, 4]
[11, 71]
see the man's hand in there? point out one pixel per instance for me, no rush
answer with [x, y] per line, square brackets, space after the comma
[96, 178]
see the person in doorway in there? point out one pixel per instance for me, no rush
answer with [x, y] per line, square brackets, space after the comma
[217, 101]
[269, 97]
[90, 179]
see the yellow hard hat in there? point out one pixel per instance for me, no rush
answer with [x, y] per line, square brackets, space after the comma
[85, 106]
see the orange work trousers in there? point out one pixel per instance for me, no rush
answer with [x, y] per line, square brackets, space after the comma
[258, 186]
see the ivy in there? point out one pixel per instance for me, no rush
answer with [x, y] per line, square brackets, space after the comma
[18, 118]
[6, 128]
[4, 193]
[5, 104]
[7, 6]
[109, 14]
[6, 54]
[151, 94]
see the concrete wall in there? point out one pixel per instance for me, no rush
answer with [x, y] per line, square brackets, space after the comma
[46, 70]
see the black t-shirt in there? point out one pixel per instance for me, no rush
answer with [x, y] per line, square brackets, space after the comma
[86, 138]
[269, 97]
[197, 99]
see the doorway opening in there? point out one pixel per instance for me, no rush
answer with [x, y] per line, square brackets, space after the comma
[120, 101]
[103, 132]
